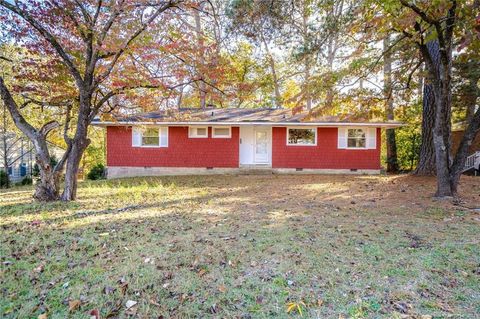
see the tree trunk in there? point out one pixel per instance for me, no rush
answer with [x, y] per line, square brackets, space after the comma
[78, 145]
[307, 64]
[442, 129]
[201, 60]
[47, 188]
[392, 160]
[271, 62]
[308, 95]
[5, 146]
[426, 162]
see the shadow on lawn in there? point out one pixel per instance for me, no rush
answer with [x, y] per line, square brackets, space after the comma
[243, 243]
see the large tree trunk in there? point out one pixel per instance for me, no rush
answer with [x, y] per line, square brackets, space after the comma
[392, 160]
[47, 187]
[427, 162]
[77, 147]
[442, 130]
[73, 164]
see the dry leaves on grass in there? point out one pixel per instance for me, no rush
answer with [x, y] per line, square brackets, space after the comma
[74, 305]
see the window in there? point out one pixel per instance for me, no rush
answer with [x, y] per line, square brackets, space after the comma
[356, 138]
[150, 137]
[302, 136]
[221, 132]
[198, 132]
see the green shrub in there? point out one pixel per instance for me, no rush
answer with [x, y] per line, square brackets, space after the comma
[97, 172]
[27, 180]
[3, 178]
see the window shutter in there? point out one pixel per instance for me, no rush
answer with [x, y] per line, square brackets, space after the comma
[136, 137]
[342, 137]
[163, 131]
[372, 138]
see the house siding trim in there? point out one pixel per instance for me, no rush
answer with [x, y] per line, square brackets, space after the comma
[129, 171]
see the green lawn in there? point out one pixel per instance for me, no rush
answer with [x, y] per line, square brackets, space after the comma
[243, 247]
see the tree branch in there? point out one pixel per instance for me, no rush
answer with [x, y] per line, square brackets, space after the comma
[169, 4]
[47, 36]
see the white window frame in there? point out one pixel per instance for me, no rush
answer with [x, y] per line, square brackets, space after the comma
[192, 132]
[142, 130]
[364, 129]
[222, 136]
[315, 130]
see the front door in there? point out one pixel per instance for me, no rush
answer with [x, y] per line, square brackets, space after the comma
[262, 145]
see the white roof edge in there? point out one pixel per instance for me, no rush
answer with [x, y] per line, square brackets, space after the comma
[323, 124]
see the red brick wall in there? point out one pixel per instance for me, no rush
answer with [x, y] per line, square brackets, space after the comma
[324, 155]
[181, 151]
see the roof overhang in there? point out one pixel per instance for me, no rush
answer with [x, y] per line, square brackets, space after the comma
[319, 124]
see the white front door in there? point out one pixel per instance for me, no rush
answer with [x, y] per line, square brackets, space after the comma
[247, 141]
[262, 145]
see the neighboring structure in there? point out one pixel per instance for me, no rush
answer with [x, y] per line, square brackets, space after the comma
[472, 164]
[195, 141]
[18, 155]
[21, 157]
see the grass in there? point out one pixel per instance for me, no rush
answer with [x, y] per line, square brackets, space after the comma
[243, 247]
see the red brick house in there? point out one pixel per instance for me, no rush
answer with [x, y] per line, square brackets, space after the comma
[195, 141]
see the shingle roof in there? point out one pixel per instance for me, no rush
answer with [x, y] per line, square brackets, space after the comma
[236, 115]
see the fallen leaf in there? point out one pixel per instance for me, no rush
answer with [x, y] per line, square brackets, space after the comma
[39, 268]
[130, 303]
[222, 288]
[123, 288]
[153, 302]
[202, 272]
[73, 305]
[42, 316]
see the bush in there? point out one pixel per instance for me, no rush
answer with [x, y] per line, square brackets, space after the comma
[27, 180]
[3, 178]
[97, 172]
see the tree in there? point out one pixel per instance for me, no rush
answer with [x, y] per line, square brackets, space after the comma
[392, 160]
[426, 164]
[259, 22]
[94, 40]
[443, 25]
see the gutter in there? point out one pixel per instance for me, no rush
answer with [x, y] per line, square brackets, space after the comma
[274, 124]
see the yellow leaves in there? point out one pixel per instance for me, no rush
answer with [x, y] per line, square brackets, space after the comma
[42, 316]
[296, 307]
